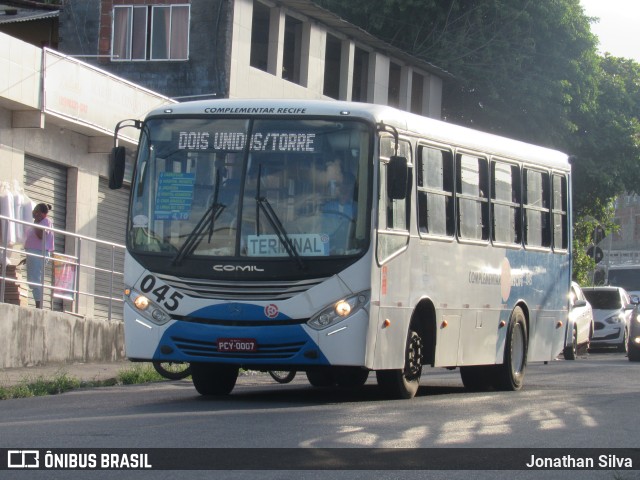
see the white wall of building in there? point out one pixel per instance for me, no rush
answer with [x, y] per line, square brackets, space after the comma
[70, 125]
[249, 82]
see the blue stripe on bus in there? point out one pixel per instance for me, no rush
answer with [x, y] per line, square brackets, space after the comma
[276, 345]
[238, 311]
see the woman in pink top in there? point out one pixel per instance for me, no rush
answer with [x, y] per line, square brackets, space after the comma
[35, 240]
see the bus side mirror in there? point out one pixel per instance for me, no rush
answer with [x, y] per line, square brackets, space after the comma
[397, 178]
[116, 167]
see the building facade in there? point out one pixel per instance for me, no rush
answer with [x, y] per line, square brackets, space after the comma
[246, 49]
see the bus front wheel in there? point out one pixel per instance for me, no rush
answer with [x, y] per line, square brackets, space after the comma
[510, 375]
[214, 379]
[404, 383]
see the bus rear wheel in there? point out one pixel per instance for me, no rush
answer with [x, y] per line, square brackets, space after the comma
[214, 379]
[404, 383]
[571, 351]
[510, 375]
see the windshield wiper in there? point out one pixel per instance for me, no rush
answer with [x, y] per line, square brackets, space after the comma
[263, 204]
[206, 222]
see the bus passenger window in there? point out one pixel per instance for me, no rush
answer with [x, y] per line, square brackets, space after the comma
[536, 209]
[435, 192]
[505, 202]
[471, 196]
[560, 207]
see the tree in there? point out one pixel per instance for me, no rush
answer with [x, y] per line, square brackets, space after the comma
[607, 145]
[523, 67]
[528, 70]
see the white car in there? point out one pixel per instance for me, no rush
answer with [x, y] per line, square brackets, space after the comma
[580, 324]
[612, 311]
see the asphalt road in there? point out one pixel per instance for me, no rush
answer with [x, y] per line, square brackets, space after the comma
[589, 403]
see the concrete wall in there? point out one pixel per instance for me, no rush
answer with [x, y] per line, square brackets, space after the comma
[34, 337]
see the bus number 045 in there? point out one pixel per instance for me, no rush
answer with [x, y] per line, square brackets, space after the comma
[147, 285]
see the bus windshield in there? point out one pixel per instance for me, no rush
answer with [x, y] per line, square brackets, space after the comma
[260, 188]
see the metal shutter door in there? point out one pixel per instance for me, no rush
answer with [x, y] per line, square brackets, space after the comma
[112, 221]
[46, 182]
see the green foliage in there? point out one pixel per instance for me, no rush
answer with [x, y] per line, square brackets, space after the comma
[584, 229]
[527, 70]
[139, 373]
[40, 386]
[607, 147]
[62, 382]
[523, 68]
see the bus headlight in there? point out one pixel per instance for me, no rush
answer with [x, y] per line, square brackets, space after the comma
[339, 311]
[145, 307]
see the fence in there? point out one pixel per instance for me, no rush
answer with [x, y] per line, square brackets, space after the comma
[73, 281]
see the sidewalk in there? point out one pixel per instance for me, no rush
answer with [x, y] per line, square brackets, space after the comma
[82, 371]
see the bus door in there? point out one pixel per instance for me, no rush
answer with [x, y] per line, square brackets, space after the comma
[392, 243]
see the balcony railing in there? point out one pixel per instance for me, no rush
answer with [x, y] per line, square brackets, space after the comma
[72, 281]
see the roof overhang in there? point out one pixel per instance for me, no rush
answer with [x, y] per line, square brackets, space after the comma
[338, 24]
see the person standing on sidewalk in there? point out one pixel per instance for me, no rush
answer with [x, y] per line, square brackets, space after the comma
[33, 245]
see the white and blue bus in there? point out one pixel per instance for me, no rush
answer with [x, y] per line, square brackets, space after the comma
[338, 239]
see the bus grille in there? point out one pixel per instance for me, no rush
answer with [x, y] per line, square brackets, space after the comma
[206, 349]
[240, 290]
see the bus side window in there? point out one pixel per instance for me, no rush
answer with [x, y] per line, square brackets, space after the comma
[505, 202]
[472, 197]
[536, 208]
[435, 192]
[560, 207]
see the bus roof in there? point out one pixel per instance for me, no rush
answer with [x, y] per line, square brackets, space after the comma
[429, 128]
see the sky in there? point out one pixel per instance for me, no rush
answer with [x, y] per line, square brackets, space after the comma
[618, 28]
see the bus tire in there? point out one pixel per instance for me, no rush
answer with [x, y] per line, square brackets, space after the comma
[571, 351]
[283, 376]
[321, 377]
[214, 379]
[477, 378]
[172, 370]
[510, 375]
[404, 383]
[351, 377]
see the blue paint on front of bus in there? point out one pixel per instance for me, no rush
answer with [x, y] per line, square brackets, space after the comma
[196, 338]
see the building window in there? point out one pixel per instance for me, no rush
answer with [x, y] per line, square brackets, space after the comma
[260, 37]
[360, 75]
[393, 92]
[292, 51]
[152, 32]
[417, 95]
[332, 63]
